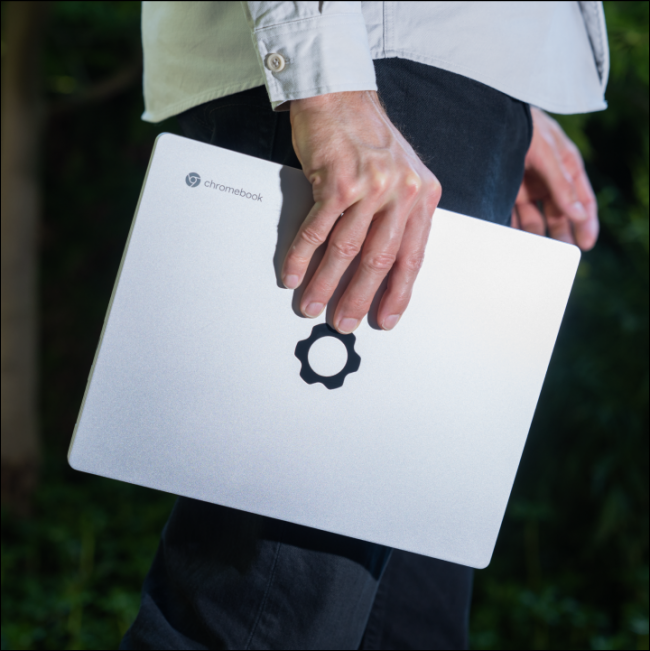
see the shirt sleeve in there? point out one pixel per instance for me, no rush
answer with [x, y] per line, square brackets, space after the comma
[310, 48]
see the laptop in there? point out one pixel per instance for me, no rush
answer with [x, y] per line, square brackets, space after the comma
[208, 383]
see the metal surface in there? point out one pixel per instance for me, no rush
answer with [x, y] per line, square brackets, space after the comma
[196, 390]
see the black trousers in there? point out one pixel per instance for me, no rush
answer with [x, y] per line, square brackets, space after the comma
[225, 579]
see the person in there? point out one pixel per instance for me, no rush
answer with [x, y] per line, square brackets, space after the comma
[391, 109]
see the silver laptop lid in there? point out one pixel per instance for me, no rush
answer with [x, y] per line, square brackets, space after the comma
[201, 385]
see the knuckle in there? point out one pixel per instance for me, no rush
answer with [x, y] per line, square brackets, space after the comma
[413, 263]
[295, 262]
[382, 261]
[413, 183]
[312, 236]
[346, 249]
[346, 193]
[434, 189]
[378, 183]
[316, 178]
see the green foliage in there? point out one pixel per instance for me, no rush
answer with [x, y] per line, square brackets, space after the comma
[570, 568]
[571, 565]
[71, 574]
[71, 577]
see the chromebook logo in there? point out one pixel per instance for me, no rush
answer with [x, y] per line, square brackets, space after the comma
[192, 179]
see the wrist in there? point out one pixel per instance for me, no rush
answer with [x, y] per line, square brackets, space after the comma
[330, 100]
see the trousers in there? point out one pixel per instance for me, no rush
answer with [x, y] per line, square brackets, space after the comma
[225, 579]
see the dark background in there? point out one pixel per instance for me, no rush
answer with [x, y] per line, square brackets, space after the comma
[570, 568]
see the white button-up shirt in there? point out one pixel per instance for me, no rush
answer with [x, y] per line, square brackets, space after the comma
[552, 55]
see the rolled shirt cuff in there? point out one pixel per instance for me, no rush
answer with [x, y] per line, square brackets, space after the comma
[325, 54]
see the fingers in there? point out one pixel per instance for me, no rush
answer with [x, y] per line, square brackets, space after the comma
[531, 219]
[570, 210]
[377, 259]
[554, 163]
[562, 189]
[389, 249]
[586, 232]
[405, 270]
[558, 224]
[374, 228]
[514, 219]
[313, 232]
[345, 243]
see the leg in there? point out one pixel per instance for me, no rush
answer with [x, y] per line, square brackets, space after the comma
[422, 603]
[474, 139]
[225, 579]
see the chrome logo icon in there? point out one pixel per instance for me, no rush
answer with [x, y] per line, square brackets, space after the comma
[192, 179]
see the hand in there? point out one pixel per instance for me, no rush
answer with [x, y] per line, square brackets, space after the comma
[372, 195]
[555, 176]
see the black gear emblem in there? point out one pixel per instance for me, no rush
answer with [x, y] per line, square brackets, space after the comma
[308, 374]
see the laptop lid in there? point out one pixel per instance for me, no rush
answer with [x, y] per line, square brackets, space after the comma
[207, 383]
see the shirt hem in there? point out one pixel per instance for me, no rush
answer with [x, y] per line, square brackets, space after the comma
[217, 93]
[195, 100]
[444, 64]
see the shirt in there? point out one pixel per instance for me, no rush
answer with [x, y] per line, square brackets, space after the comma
[553, 55]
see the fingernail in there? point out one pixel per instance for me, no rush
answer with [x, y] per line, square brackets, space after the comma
[578, 211]
[314, 309]
[390, 322]
[347, 325]
[290, 281]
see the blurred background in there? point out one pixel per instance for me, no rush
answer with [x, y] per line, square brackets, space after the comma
[570, 570]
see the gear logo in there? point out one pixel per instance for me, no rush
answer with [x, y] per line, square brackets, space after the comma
[192, 179]
[308, 374]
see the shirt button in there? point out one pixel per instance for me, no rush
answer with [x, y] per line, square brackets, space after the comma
[275, 62]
